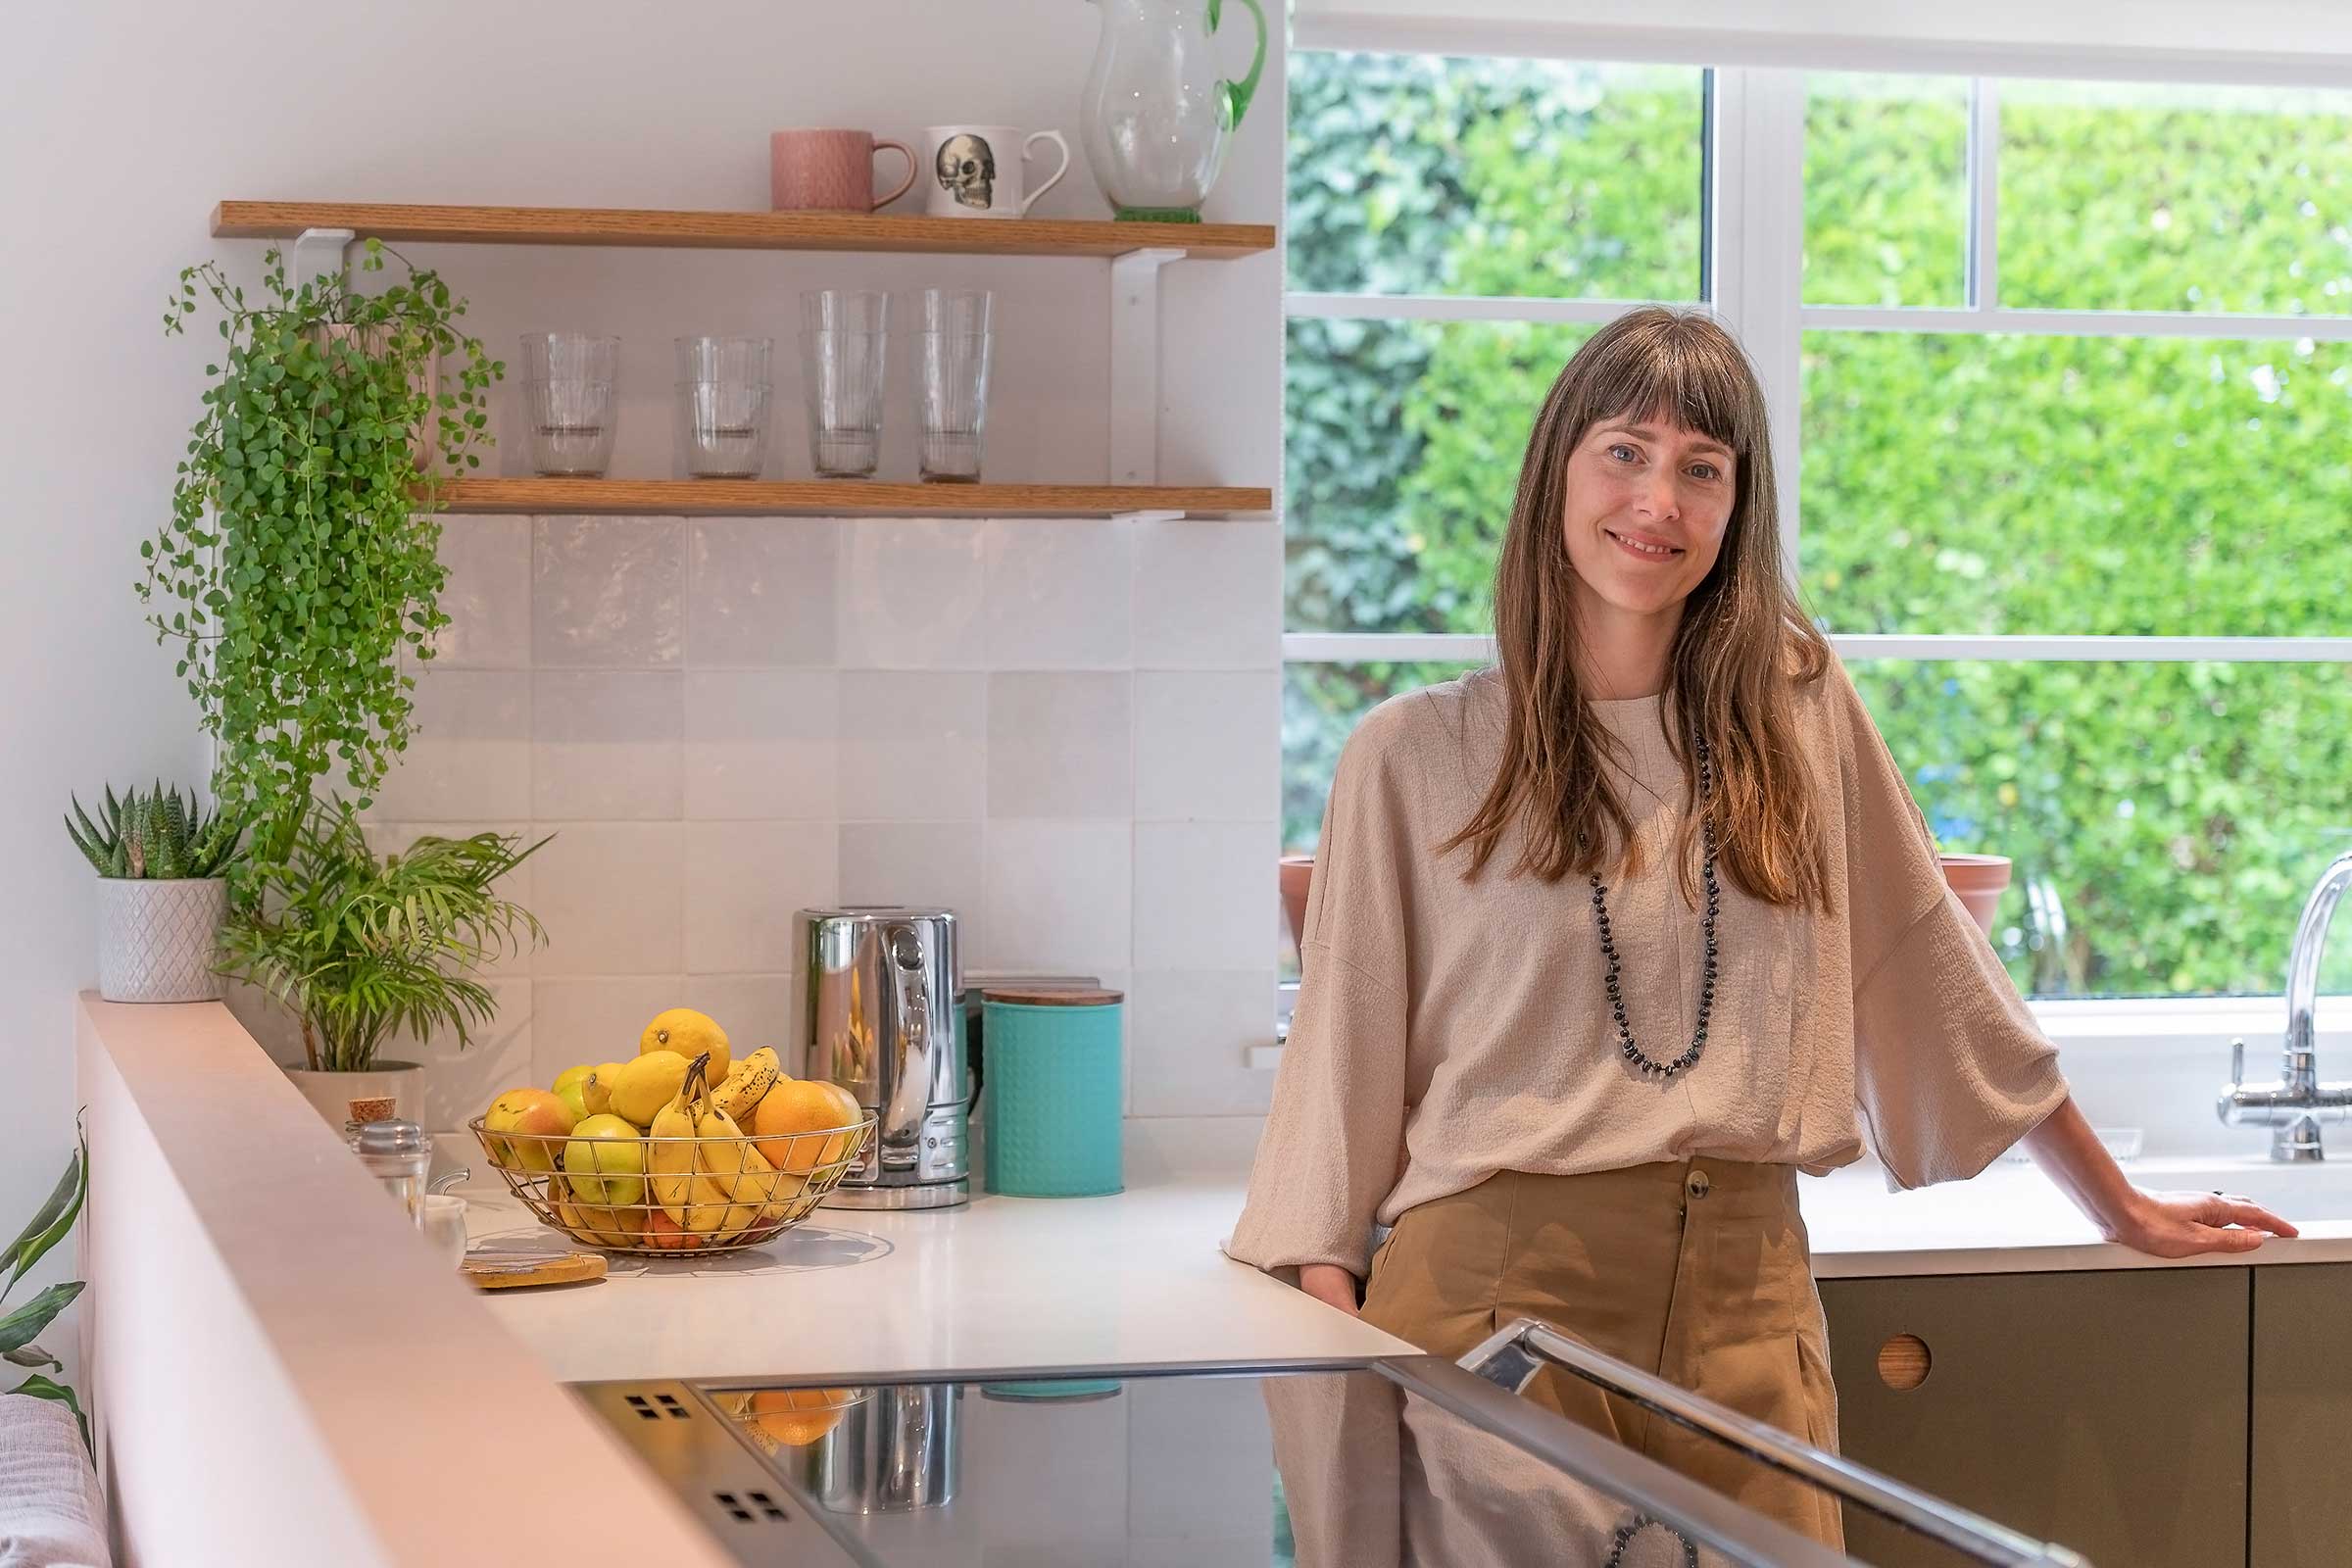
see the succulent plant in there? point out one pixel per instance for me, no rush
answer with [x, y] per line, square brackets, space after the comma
[154, 836]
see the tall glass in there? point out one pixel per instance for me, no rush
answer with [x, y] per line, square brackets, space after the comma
[954, 347]
[844, 339]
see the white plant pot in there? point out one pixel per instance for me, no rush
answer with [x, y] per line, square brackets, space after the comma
[330, 1093]
[159, 940]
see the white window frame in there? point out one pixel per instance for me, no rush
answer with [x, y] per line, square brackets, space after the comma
[1753, 271]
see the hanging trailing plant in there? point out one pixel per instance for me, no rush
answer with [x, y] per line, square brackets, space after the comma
[302, 548]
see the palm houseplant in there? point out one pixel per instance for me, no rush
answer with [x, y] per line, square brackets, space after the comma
[365, 950]
[163, 891]
[302, 551]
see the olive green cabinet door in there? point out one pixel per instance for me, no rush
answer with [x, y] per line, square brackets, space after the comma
[2302, 1505]
[2104, 1411]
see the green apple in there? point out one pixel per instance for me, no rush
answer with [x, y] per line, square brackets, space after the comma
[570, 1087]
[604, 1164]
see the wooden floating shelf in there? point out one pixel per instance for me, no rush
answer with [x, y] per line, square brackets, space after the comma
[841, 498]
[725, 231]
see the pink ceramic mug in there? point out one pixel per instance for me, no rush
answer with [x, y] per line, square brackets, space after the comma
[829, 171]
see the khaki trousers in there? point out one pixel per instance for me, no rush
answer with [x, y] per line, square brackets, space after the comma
[1697, 1270]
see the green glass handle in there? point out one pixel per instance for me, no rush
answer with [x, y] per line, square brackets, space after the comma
[1239, 94]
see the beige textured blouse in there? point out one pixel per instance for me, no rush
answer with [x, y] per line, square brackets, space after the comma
[1449, 1029]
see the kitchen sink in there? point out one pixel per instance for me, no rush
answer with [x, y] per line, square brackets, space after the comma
[2319, 1190]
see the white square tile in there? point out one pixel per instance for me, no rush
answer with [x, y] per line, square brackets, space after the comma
[605, 743]
[1208, 746]
[912, 746]
[937, 864]
[469, 754]
[1208, 595]
[488, 594]
[911, 592]
[608, 592]
[596, 1019]
[760, 743]
[1058, 594]
[1060, 744]
[1188, 1031]
[760, 591]
[611, 895]
[460, 1084]
[1200, 892]
[755, 1009]
[1056, 897]
[744, 883]
[516, 886]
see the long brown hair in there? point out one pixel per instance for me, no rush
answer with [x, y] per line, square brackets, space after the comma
[1744, 646]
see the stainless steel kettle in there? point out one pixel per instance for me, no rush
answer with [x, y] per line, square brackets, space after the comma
[883, 1019]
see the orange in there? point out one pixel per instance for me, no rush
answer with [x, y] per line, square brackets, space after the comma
[798, 1105]
[663, 1232]
[797, 1416]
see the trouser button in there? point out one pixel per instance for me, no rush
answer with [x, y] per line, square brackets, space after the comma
[1697, 1185]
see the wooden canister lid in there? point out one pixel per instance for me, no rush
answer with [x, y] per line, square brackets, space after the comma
[1024, 997]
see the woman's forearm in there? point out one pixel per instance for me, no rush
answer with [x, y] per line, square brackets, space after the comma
[2065, 1146]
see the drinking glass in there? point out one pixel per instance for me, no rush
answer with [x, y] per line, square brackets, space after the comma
[843, 340]
[954, 347]
[722, 404]
[568, 386]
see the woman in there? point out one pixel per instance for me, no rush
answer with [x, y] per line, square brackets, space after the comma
[1608, 943]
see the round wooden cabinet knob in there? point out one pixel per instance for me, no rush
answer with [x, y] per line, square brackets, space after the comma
[1904, 1362]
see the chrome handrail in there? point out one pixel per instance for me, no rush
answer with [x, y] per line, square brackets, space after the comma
[1511, 1357]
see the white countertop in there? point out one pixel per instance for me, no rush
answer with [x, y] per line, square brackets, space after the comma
[1136, 1280]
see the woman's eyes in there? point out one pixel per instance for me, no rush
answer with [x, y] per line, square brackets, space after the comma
[1625, 454]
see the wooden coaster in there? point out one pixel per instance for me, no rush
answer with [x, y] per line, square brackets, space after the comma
[506, 1274]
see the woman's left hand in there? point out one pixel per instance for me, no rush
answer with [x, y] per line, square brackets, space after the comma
[2184, 1224]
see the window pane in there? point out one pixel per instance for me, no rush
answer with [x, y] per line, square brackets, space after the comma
[2169, 820]
[1402, 448]
[1421, 174]
[2018, 485]
[1885, 190]
[2125, 196]
[1321, 704]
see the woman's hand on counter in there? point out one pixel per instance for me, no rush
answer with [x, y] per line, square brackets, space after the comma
[2184, 1224]
[1329, 1284]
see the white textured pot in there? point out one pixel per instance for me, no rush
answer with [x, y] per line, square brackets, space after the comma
[330, 1093]
[158, 940]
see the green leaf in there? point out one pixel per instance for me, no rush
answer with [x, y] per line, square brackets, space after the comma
[31, 1356]
[53, 1219]
[19, 1326]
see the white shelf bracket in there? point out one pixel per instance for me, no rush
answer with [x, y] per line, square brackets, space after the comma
[320, 251]
[1151, 515]
[1134, 363]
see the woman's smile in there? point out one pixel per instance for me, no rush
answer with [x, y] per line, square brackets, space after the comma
[1643, 546]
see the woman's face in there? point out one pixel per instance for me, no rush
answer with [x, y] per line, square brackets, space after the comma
[1648, 502]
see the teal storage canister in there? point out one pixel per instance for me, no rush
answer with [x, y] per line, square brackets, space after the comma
[1052, 1068]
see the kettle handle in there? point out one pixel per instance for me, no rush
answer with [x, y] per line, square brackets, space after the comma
[1236, 95]
[901, 1135]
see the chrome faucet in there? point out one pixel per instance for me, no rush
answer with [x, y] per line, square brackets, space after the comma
[2295, 1105]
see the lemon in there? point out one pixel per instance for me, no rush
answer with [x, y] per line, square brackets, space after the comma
[689, 1034]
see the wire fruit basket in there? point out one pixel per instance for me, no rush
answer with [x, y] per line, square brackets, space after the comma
[734, 1192]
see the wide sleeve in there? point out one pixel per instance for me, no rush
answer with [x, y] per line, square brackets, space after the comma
[1334, 1134]
[1949, 1067]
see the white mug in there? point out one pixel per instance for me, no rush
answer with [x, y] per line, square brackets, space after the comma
[975, 171]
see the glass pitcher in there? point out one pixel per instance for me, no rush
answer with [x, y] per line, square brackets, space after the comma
[1159, 117]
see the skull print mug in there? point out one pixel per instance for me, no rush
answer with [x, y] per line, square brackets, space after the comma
[975, 171]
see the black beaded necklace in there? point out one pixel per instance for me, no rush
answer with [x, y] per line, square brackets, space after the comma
[1649, 1066]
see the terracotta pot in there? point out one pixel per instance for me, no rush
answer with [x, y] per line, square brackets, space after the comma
[1980, 880]
[1297, 872]
[331, 1092]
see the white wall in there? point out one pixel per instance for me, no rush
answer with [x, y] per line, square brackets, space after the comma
[123, 122]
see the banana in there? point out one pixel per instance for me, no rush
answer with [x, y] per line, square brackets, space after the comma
[751, 1078]
[691, 1199]
[738, 1168]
